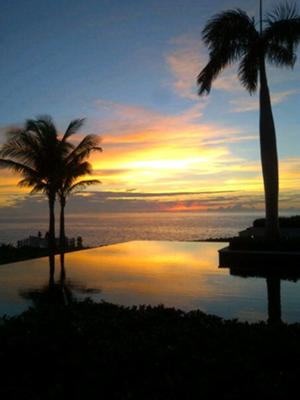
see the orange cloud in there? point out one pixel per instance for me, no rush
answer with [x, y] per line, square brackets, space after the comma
[179, 207]
[155, 152]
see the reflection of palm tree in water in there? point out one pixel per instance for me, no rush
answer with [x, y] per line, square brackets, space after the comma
[65, 287]
[273, 281]
[56, 293]
[51, 270]
[274, 299]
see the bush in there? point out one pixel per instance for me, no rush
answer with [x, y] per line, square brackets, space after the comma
[89, 350]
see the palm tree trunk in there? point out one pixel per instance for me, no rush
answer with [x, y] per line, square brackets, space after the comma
[269, 158]
[62, 235]
[51, 270]
[274, 302]
[62, 269]
[51, 237]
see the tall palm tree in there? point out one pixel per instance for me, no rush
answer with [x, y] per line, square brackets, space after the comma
[35, 152]
[232, 36]
[65, 191]
[74, 167]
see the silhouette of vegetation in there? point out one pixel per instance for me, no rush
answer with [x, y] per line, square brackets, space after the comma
[284, 222]
[232, 36]
[74, 167]
[144, 353]
[35, 152]
[49, 164]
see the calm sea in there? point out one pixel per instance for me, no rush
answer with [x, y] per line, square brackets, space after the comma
[121, 227]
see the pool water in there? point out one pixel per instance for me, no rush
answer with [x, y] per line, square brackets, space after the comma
[184, 275]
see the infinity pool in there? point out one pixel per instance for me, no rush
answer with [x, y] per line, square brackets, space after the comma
[184, 275]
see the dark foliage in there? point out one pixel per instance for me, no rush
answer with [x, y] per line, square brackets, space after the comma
[111, 352]
[232, 36]
[284, 222]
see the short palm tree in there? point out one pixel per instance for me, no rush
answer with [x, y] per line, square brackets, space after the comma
[74, 167]
[232, 36]
[35, 152]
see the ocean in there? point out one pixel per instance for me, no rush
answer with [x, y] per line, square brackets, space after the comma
[122, 227]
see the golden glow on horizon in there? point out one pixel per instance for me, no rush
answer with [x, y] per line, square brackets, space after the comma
[146, 151]
[183, 207]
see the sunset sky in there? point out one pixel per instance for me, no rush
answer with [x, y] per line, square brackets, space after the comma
[129, 67]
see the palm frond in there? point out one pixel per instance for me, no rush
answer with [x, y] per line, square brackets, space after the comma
[248, 69]
[283, 27]
[40, 187]
[46, 121]
[47, 132]
[228, 36]
[13, 132]
[26, 182]
[73, 127]
[24, 148]
[78, 169]
[83, 184]
[209, 73]
[279, 55]
[44, 133]
[230, 29]
[17, 167]
[35, 185]
[31, 125]
[88, 144]
[72, 172]
[283, 11]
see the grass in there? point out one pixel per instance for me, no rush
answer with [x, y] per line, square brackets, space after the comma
[88, 350]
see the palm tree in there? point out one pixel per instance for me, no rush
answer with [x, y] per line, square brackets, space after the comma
[35, 152]
[232, 36]
[74, 167]
[63, 193]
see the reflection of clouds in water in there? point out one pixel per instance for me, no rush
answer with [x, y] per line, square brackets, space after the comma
[184, 275]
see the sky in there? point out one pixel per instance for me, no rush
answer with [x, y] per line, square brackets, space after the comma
[129, 67]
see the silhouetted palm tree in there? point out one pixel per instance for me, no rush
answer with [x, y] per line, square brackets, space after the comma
[74, 167]
[63, 193]
[35, 152]
[232, 36]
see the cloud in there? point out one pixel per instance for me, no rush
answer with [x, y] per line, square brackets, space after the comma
[185, 63]
[152, 150]
[97, 203]
[189, 56]
[139, 125]
[160, 152]
[186, 60]
[246, 104]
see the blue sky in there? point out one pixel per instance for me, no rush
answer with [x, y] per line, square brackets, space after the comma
[123, 63]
